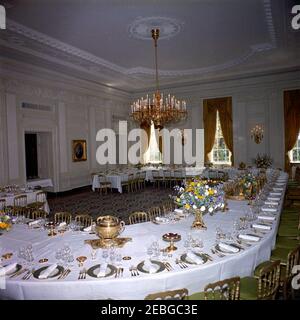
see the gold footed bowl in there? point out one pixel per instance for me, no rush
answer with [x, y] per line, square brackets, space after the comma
[109, 227]
[198, 222]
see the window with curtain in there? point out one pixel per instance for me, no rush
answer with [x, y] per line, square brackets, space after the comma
[295, 152]
[153, 155]
[220, 154]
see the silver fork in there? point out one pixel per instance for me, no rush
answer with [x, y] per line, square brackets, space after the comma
[136, 271]
[63, 275]
[181, 264]
[132, 271]
[219, 254]
[30, 274]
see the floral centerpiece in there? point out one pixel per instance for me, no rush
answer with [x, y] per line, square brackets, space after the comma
[245, 187]
[5, 221]
[263, 161]
[200, 197]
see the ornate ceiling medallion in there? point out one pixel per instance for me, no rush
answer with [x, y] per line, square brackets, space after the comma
[141, 27]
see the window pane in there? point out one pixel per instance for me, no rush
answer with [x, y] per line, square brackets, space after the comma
[220, 153]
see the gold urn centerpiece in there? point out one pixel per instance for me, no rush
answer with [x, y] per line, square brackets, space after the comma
[109, 227]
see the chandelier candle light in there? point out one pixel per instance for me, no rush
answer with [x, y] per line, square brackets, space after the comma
[158, 109]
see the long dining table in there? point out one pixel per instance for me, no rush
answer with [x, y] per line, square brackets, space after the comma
[130, 286]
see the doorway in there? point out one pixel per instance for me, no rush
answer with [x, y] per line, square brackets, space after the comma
[31, 154]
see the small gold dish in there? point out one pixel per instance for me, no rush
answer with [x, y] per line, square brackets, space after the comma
[81, 259]
[126, 258]
[7, 256]
[43, 260]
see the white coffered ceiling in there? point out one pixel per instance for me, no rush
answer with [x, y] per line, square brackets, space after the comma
[108, 42]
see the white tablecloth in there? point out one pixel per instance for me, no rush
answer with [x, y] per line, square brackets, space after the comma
[44, 183]
[31, 197]
[193, 278]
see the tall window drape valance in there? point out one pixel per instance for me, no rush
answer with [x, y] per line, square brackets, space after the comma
[210, 108]
[291, 122]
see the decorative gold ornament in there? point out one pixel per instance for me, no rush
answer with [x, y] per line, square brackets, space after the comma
[198, 222]
[257, 133]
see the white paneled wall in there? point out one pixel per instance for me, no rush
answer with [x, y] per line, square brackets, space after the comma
[75, 115]
[78, 113]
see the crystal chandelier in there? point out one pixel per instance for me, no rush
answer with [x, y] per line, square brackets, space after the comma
[158, 109]
[257, 134]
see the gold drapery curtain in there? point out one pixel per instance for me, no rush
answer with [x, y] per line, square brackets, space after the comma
[291, 122]
[159, 138]
[210, 108]
[210, 123]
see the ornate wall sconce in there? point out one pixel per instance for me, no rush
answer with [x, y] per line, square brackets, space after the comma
[257, 133]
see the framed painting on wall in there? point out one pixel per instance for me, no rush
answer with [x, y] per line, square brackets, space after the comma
[79, 150]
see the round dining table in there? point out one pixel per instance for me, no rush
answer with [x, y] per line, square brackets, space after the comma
[137, 285]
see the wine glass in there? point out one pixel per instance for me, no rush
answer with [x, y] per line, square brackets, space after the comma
[105, 254]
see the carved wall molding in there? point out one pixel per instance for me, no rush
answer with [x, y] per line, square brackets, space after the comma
[31, 89]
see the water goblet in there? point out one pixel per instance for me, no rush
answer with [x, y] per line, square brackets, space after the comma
[105, 254]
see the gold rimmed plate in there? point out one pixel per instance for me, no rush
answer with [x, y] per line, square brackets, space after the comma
[161, 266]
[186, 259]
[218, 248]
[12, 272]
[93, 271]
[57, 272]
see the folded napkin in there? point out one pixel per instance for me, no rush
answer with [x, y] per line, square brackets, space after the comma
[228, 247]
[62, 224]
[178, 210]
[275, 193]
[278, 189]
[88, 229]
[102, 270]
[279, 184]
[150, 267]
[248, 237]
[194, 258]
[272, 203]
[261, 226]
[35, 222]
[274, 199]
[268, 209]
[270, 218]
[9, 268]
[47, 272]
[161, 219]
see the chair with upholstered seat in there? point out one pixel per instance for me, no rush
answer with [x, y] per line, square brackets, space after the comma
[154, 212]
[39, 214]
[20, 205]
[168, 207]
[228, 289]
[142, 180]
[84, 220]
[62, 217]
[286, 242]
[168, 179]
[2, 204]
[157, 178]
[104, 184]
[138, 217]
[40, 200]
[179, 294]
[263, 287]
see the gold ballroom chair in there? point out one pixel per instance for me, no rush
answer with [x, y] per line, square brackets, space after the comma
[138, 217]
[179, 294]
